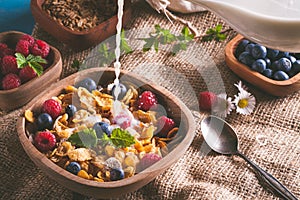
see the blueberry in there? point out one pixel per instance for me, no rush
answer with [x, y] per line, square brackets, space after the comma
[249, 47]
[73, 167]
[284, 64]
[291, 58]
[44, 121]
[241, 47]
[272, 53]
[259, 51]
[275, 65]
[268, 73]
[281, 76]
[116, 174]
[123, 91]
[101, 128]
[259, 65]
[87, 83]
[296, 66]
[268, 62]
[246, 58]
[71, 110]
[282, 54]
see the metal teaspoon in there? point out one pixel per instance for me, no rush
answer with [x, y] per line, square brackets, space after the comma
[221, 138]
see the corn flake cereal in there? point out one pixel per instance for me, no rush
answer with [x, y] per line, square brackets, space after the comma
[100, 137]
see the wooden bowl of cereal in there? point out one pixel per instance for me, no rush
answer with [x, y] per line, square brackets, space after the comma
[13, 96]
[134, 144]
[79, 24]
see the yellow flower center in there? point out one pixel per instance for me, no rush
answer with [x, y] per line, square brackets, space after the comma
[243, 103]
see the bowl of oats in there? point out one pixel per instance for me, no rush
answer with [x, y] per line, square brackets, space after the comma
[79, 24]
[101, 139]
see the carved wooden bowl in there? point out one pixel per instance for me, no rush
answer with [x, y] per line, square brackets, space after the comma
[273, 87]
[17, 97]
[78, 40]
[179, 112]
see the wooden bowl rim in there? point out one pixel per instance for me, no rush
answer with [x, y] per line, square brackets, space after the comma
[164, 163]
[34, 3]
[229, 52]
[56, 61]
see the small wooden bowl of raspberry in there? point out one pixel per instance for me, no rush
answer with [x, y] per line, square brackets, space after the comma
[27, 67]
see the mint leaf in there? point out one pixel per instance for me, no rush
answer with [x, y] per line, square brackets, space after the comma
[75, 64]
[124, 45]
[36, 67]
[163, 36]
[37, 59]
[119, 138]
[215, 34]
[32, 61]
[21, 60]
[85, 138]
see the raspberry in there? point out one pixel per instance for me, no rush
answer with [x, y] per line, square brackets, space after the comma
[147, 100]
[9, 65]
[28, 38]
[148, 160]
[3, 46]
[164, 125]
[26, 74]
[123, 121]
[40, 48]
[44, 141]
[52, 107]
[206, 100]
[5, 50]
[23, 47]
[10, 81]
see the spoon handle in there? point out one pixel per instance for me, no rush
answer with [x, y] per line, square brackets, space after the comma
[269, 179]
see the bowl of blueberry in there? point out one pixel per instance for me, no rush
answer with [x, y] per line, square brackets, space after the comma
[102, 143]
[271, 70]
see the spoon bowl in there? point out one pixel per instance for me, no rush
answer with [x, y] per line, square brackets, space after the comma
[221, 137]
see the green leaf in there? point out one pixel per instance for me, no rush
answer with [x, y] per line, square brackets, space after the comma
[218, 28]
[221, 36]
[156, 43]
[36, 67]
[37, 59]
[119, 138]
[124, 44]
[75, 64]
[21, 60]
[85, 138]
[215, 34]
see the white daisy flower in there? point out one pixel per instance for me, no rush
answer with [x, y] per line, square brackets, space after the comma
[223, 105]
[244, 102]
[240, 86]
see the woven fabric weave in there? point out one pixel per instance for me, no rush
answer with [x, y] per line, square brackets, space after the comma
[200, 173]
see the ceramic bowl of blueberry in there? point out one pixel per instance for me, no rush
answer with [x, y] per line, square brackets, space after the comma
[273, 71]
[105, 140]
[28, 66]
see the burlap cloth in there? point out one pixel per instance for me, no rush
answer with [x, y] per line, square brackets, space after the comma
[199, 174]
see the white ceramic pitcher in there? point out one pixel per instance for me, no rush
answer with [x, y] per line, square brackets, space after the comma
[273, 23]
